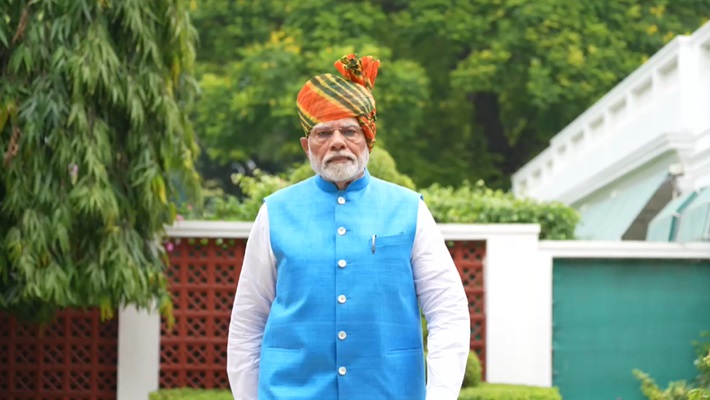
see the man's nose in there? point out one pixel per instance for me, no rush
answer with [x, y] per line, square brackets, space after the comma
[337, 141]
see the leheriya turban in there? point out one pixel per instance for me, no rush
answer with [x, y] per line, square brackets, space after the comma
[329, 97]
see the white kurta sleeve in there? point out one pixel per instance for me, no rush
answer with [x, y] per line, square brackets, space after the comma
[252, 302]
[445, 307]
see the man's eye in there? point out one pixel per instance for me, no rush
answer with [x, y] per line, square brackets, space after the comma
[350, 132]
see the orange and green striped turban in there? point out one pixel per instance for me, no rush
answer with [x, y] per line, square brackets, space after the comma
[329, 97]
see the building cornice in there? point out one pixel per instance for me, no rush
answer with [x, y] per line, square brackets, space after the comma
[240, 230]
[679, 144]
[484, 231]
[209, 229]
[626, 249]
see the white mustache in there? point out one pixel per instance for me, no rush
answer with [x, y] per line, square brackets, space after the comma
[330, 157]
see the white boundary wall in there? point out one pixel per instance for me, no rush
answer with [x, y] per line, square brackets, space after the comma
[518, 285]
[518, 319]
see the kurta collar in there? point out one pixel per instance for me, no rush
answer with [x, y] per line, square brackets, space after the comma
[330, 187]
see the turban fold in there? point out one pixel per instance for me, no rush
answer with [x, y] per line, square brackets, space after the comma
[329, 97]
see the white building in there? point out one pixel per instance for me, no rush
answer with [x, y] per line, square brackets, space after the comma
[636, 164]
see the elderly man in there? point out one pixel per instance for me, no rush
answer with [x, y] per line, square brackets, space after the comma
[337, 267]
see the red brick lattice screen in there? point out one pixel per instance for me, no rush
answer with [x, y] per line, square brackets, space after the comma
[468, 257]
[75, 357]
[203, 277]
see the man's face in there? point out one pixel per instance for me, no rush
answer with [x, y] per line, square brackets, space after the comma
[337, 150]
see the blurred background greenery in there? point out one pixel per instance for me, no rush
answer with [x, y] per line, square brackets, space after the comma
[468, 90]
[119, 117]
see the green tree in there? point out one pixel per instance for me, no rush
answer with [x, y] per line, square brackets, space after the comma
[93, 139]
[509, 74]
[468, 90]
[255, 56]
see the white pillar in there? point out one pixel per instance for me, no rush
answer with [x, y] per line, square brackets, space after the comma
[138, 353]
[518, 280]
[518, 285]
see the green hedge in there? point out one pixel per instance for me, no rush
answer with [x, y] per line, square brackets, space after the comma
[473, 375]
[191, 394]
[509, 392]
[476, 203]
[468, 203]
[482, 392]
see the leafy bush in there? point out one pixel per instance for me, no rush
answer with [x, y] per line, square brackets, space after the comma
[191, 394]
[703, 392]
[677, 390]
[486, 391]
[466, 204]
[481, 392]
[682, 390]
[479, 204]
[472, 376]
[225, 207]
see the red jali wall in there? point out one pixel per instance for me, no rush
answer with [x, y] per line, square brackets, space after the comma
[73, 358]
[204, 275]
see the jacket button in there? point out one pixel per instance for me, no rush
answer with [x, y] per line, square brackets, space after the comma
[342, 370]
[342, 299]
[341, 231]
[342, 263]
[342, 335]
[341, 200]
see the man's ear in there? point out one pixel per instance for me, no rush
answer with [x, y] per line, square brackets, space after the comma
[304, 144]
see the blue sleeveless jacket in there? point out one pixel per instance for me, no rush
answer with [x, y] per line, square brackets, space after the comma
[345, 322]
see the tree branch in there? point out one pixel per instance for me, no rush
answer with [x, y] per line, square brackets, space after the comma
[22, 25]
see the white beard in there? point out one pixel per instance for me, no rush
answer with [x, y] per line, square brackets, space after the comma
[340, 172]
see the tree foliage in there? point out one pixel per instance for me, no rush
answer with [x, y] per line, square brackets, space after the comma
[468, 90]
[93, 139]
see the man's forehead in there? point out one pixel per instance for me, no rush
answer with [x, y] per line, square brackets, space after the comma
[337, 123]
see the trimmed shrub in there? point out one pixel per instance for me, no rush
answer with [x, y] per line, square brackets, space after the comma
[466, 204]
[483, 391]
[191, 394]
[486, 391]
[476, 203]
[473, 376]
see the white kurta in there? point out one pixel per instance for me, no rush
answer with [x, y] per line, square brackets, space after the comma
[439, 290]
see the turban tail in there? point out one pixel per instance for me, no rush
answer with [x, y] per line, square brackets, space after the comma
[330, 97]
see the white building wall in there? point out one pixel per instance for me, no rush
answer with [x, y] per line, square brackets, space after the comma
[660, 110]
[518, 288]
